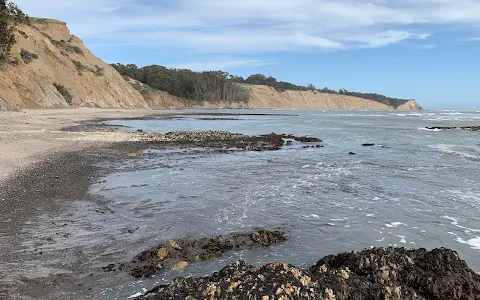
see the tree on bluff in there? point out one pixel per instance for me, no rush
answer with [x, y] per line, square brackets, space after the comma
[10, 16]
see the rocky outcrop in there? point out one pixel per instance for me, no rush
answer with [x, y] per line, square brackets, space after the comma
[50, 68]
[371, 274]
[178, 254]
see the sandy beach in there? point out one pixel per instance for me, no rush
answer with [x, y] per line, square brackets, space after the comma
[29, 136]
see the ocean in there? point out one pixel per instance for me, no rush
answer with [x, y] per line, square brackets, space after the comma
[415, 188]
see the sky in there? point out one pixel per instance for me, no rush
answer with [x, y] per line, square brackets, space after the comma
[423, 49]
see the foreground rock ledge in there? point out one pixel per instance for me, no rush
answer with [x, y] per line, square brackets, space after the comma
[392, 273]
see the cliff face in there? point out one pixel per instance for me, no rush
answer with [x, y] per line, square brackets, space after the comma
[267, 97]
[50, 68]
[410, 105]
[45, 55]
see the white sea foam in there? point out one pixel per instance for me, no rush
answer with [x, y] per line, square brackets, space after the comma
[136, 295]
[473, 243]
[395, 224]
[427, 129]
[454, 221]
[453, 149]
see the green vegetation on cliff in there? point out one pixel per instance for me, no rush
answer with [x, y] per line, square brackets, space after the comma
[221, 86]
[211, 86]
[10, 15]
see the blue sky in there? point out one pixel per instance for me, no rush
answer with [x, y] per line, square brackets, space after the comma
[423, 49]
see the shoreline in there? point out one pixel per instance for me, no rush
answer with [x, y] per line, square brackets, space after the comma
[47, 183]
[28, 136]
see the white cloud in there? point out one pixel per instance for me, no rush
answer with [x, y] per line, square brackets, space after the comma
[224, 64]
[426, 47]
[254, 26]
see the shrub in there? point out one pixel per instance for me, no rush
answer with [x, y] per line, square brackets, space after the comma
[22, 33]
[64, 92]
[15, 61]
[10, 16]
[79, 66]
[63, 45]
[99, 71]
[28, 57]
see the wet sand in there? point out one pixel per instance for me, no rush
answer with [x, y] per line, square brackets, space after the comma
[29, 136]
[48, 251]
[43, 169]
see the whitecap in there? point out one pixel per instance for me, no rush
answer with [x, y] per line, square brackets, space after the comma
[428, 129]
[454, 222]
[473, 243]
[136, 295]
[395, 224]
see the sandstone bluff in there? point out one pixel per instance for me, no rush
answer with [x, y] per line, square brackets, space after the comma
[51, 68]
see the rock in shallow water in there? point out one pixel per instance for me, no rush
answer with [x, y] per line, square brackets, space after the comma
[393, 273]
[175, 253]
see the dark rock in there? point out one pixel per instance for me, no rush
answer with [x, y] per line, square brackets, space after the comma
[169, 254]
[392, 273]
[352, 153]
[368, 145]
[302, 139]
[289, 143]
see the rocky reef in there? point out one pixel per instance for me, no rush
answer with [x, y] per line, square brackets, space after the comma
[225, 139]
[178, 254]
[391, 273]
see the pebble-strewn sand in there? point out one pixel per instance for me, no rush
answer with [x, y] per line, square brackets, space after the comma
[30, 135]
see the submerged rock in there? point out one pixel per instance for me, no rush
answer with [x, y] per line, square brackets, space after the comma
[177, 254]
[392, 273]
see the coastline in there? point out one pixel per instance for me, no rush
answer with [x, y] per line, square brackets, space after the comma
[58, 263]
[29, 136]
[54, 157]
